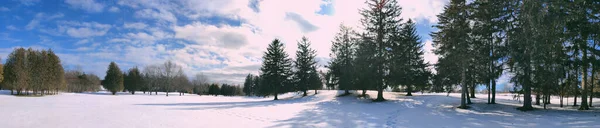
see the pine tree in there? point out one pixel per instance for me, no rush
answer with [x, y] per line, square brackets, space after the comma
[248, 85]
[365, 54]
[276, 69]
[342, 57]
[407, 66]
[381, 19]
[56, 72]
[133, 80]
[452, 44]
[316, 82]
[305, 65]
[113, 81]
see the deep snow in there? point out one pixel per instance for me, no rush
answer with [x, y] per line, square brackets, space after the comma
[101, 110]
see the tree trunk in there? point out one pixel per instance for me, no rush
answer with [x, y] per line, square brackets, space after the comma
[592, 86]
[380, 94]
[167, 93]
[468, 97]
[493, 92]
[537, 98]
[275, 97]
[489, 97]
[11, 92]
[575, 100]
[304, 91]
[132, 92]
[408, 90]
[463, 102]
[561, 100]
[472, 91]
[364, 92]
[527, 93]
[346, 92]
[584, 91]
[315, 91]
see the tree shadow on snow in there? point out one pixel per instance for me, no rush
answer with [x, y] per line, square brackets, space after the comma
[348, 111]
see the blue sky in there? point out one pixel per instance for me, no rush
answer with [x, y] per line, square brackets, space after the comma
[223, 39]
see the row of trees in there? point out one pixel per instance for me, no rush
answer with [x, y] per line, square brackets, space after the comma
[79, 81]
[387, 53]
[225, 90]
[549, 46]
[279, 74]
[35, 71]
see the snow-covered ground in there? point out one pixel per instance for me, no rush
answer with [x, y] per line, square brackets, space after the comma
[101, 110]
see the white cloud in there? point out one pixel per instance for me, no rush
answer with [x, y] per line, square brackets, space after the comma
[429, 56]
[224, 36]
[39, 17]
[84, 41]
[4, 9]
[87, 5]
[422, 10]
[137, 25]
[114, 9]
[84, 29]
[12, 27]
[29, 2]
[162, 15]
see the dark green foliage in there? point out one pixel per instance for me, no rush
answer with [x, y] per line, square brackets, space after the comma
[453, 46]
[133, 80]
[306, 76]
[249, 89]
[113, 81]
[276, 70]
[341, 67]
[214, 89]
[381, 20]
[407, 66]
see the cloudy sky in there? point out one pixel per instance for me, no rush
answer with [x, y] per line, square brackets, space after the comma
[224, 39]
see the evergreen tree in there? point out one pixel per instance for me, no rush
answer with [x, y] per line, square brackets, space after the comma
[133, 80]
[451, 41]
[305, 65]
[342, 57]
[113, 81]
[407, 66]
[249, 85]
[381, 19]
[214, 89]
[276, 69]
[364, 68]
[316, 82]
[57, 73]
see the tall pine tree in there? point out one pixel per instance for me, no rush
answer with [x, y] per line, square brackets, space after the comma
[342, 57]
[113, 81]
[381, 19]
[305, 65]
[276, 69]
[452, 43]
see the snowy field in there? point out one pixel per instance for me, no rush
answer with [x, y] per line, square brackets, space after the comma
[101, 110]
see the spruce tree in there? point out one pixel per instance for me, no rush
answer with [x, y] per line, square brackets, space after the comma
[276, 69]
[365, 54]
[451, 41]
[381, 19]
[133, 80]
[305, 65]
[342, 55]
[407, 66]
[113, 81]
[248, 85]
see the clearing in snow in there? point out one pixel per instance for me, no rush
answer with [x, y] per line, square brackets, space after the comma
[101, 110]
